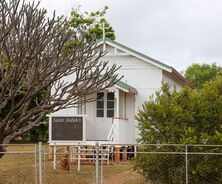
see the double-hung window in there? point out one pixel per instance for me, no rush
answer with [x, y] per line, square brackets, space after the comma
[105, 104]
[100, 105]
[110, 105]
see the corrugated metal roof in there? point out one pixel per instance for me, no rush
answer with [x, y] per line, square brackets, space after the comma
[125, 87]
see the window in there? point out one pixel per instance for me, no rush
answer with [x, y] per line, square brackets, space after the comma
[100, 105]
[110, 105]
[105, 104]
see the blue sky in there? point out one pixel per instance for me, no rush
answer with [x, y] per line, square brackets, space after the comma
[176, 32]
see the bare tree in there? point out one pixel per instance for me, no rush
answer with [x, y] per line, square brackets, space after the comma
[36, 54]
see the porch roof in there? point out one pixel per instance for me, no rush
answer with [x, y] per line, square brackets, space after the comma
[125, 87]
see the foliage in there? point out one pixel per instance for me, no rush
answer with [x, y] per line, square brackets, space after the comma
[35, 59]
[90, 24]
[37, 134]
[199, 74]
[185, 117]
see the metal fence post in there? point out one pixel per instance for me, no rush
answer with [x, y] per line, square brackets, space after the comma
[40, 162]
[135, 151]
[101, 165]
[44, 164]
[97, 163]
[36, 168]
[79, 157]
[54, 157]
[186, 154]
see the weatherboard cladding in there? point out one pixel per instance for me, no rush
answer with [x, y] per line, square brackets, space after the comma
[107, 40]
[161, 65]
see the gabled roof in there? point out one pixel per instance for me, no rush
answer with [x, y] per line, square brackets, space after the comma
[135, 53]
[147, 59]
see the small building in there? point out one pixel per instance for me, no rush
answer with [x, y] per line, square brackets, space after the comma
[111, 118]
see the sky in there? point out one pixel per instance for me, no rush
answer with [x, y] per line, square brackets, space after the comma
[175, 32]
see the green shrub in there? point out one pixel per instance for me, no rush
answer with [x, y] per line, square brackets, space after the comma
[185, 117]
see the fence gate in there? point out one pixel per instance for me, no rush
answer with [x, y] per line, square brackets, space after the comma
[68, 164]
[18, 163]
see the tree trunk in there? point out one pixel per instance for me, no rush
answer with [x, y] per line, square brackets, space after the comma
[2, 151]
[2, 148]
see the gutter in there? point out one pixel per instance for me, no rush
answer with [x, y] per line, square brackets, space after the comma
[181, 78]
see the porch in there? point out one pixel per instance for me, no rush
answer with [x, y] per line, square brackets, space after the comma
[111, 117]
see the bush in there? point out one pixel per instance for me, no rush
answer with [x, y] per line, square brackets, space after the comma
[185, 117]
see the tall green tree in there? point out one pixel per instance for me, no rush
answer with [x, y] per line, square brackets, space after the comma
[186, 117]
[90, 24]
[198, 74]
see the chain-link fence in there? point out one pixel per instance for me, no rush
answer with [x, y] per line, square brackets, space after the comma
[204, 164]
[111, 164]
[120, 168]
[69, 164]
[18, 164]
[163, 164]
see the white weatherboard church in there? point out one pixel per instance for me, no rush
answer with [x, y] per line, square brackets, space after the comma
[111, 119]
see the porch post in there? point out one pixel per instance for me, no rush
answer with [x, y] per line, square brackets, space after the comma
[117, 103]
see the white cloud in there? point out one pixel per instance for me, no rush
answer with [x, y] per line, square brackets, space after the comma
[175, 32]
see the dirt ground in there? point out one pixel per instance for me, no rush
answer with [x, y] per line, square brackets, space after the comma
[122, 178]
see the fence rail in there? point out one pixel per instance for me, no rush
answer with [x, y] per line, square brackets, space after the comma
[18, 164]
[109, 163]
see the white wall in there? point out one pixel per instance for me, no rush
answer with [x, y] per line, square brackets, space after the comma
[69, 111]
[172, 83]
[97, 128]
[141, 75]
[146, 78]
[90, 119]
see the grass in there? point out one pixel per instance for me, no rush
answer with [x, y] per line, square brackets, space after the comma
[19, 168]
[137, 180]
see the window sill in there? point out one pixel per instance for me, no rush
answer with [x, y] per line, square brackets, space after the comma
[120, 118]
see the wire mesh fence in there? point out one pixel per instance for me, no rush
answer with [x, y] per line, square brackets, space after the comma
[108, 164]
[18, 164]
[69, 164]
[204, 164]
[120, 168]
[164, 164]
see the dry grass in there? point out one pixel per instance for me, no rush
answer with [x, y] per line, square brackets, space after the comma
[19, 168]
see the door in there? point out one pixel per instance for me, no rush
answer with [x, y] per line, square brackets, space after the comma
[104, 114]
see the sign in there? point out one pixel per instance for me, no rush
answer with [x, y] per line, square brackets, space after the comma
[67, 128]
